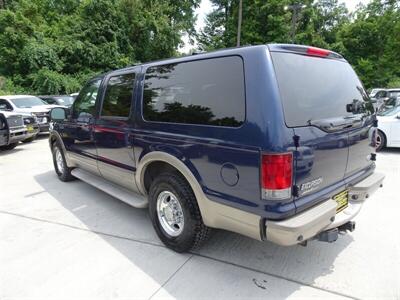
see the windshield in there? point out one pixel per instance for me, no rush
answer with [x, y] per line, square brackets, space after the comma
[391, 102]
[65, 100]
[374, 92]
[394, 94]
[314, 88]
[390, 112]
[27, 102]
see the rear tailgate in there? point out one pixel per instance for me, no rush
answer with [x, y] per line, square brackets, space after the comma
[326, 105]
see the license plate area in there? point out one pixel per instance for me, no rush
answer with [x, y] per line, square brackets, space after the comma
[342, 200]
[30, 128]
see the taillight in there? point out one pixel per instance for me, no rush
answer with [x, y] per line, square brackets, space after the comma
[276, 176]
[317, 52]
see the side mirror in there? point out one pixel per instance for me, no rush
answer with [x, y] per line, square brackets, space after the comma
[398, 116]
[58, 114]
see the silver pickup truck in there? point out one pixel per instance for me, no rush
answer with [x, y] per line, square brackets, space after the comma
[12, 130]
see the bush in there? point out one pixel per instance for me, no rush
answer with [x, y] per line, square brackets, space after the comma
[394, 83]
[51, 82]
[7, 87]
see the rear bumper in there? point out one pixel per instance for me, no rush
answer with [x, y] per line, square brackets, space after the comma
[323, 216]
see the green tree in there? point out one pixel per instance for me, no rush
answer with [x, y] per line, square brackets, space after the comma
[371, 42]
[70, 40]
[269, 22]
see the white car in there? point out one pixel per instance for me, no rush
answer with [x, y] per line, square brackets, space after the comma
[388, 128]
[28, 104]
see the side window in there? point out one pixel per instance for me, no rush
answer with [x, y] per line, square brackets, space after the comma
[85, 103]
[4, 105]
[208, 92]
[118, 96]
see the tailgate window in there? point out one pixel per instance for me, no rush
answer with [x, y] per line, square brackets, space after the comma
[314, 88]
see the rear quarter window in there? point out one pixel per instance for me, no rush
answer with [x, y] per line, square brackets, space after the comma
[206, 92]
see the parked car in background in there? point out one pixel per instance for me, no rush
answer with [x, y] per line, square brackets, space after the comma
[12, 130]
[386, 94]
[373, 92]
[74, 95]
[32, 127]
[388, 128]
[29, 104]
[204, 148]
[383, 99]
[63, 100]
[392, 102]
[393, 93]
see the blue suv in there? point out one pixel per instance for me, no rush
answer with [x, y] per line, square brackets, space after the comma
[275, 142]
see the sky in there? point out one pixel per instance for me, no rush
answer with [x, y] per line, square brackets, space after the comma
[206, 7]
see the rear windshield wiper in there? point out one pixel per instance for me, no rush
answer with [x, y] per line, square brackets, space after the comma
[335, 124]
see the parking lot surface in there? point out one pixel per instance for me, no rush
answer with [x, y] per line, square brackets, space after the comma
[71, 241]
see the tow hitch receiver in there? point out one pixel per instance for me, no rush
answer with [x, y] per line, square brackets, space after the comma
[349, 226]
[331, 235]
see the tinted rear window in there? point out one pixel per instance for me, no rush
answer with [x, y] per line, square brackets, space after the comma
[208, 92]
[314, 88]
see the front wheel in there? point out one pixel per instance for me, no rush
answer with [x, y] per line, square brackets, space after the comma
[9, 146]
[380, 140]
[175, 213]
[60, 164]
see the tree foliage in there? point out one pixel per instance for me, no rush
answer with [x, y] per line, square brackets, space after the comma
[369, 38]
[49, 46]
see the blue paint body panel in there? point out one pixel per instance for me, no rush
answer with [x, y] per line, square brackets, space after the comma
[206, 149]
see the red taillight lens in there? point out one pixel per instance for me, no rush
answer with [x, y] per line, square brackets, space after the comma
[277, 172]
[317, 52]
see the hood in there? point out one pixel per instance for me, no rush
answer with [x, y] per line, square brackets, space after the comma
[36, 109]
[50, 106]
[26, 115]
[9, 114]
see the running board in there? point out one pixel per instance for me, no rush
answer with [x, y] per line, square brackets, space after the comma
[112, 189]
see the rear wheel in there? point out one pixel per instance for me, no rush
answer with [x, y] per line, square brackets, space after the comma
[60, 164]
[175, 214]
[9, 146]
[380, 141]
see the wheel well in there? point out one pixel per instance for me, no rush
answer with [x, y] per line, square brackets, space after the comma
[53, 141]
[156, 168]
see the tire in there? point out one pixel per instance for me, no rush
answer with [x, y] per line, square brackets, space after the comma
[60, 166]
[380, 141]
[30, 140]
[190, 233]
[9, 146]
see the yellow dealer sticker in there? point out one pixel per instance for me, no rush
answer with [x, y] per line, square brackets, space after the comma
[342, 200]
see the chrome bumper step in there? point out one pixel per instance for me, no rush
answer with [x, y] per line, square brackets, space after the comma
[114, 190]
